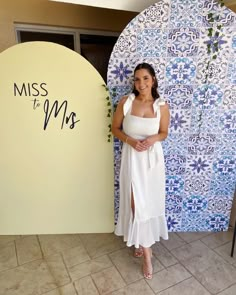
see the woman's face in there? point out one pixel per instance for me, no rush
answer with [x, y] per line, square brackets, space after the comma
[143, 81]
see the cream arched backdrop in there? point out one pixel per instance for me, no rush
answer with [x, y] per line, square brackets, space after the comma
[56, 164]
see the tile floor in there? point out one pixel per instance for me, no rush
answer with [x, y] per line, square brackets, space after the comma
[93, 264]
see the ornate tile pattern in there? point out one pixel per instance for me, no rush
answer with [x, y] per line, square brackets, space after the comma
[183, 42]
[179, 96]
[200, 151]
[208, 96]
[180, 70]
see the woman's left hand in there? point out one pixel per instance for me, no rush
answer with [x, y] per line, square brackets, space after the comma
[149, 141]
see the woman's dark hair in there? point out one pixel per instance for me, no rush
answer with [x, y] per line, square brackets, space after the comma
[151, 71]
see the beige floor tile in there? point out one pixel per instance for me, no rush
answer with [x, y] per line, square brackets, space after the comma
[108, 280]
[57, 269]
[52, 244]
[28, 249]
[173, 242]
[7, 256]
[65, 290]
[101, 244]
[225, 252]
[217, 239]
[192, 236]
[188, 251]
[229, 291]
[130, 267]
[4, 239]
[85, 286]
[187, 287]
[168, 277]
[86, 268]
[138, 288]
[217, 277]
[75, 256]
[208, 267]
[164, 255]
[30, 278]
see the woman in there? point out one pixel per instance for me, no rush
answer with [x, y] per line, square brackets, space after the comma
[141, 121]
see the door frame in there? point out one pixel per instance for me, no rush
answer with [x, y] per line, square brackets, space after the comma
[75, 32]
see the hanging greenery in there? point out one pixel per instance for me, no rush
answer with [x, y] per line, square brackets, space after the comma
[215, 35]
[110, 111]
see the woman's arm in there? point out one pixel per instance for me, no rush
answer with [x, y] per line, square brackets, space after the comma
[163, 129]
[116, 128]
[117, 121]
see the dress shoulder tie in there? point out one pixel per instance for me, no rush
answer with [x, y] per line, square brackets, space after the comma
[128, 103]
[157, 103]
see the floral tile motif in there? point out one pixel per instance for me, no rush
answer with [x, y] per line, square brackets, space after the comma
[175, 164]
[152, 43]
[175, 144]
[117, 92]
[217, 222]
[193, 222]
[222, 186]
[195, 204]
[199, 165]
[228, 122]
[174, 185]
[201, 144]
[173, 222]
[179, 96]
[121, 72]
[205, 121]
[207, 96]
[220, 204]
[155, 16]
[186, 13]
[180, 120]
[180, 70]
[223, 40]
[225, 165]
[216, 72]
[226, 16]
[125, 44]
[183, 42]
[159, 64]
[197, 184]
[229, 97]
[226, 145]
[174, 204]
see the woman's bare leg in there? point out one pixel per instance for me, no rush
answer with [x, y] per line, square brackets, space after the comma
[147, 263]
[138, 252]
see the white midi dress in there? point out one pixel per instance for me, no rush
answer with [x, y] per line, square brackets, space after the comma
[144, 174]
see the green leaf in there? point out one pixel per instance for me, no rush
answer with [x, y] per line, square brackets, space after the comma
[108, 104]
[107, 98]
[108, 115]
[214, 57]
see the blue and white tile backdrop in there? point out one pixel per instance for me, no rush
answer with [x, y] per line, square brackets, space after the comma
[200, 167]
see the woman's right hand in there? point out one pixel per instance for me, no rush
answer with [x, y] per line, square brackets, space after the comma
[137, 144]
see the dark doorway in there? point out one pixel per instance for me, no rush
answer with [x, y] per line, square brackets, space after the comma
[66, 40]
[97, 50]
